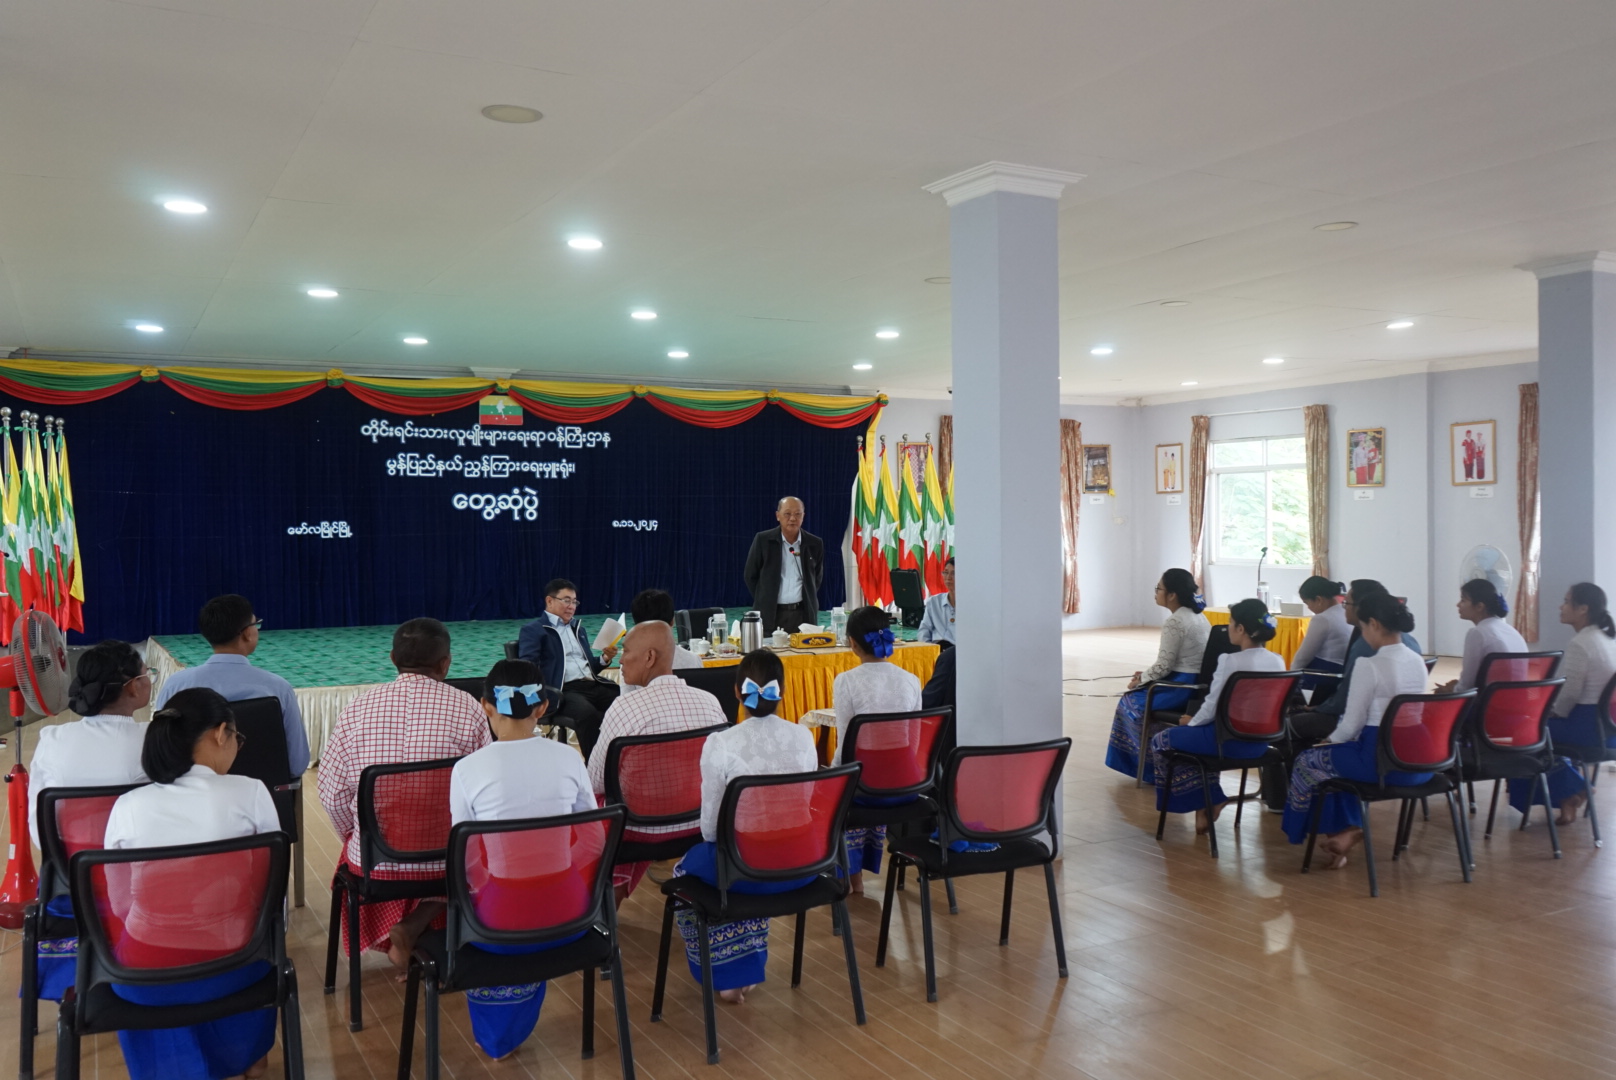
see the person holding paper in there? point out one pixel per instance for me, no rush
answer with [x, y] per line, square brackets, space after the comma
[784, 569]
[556, 642]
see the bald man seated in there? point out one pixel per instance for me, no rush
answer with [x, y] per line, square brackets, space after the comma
[784, 569]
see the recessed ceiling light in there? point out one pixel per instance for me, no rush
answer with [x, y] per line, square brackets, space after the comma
[323, 293]
[1101, 350]
[1189, 382]
[148, 328]
[1175, 303]
[584, 243]
[1400, 324]
[512, 114]
[944, 280]
[678, 354]
[1274, 360]
[415, 340]
[863, 365]
[886, 335]
[642, 314]
[1335, 226]
[185, 206]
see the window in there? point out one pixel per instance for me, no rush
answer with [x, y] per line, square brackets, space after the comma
[1260, 499]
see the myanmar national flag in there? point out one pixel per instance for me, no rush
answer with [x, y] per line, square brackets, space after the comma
[911, 520]
[11, 603]
[865, 543]
[935, 528]
[72, 606]
[886, 528]
[498, 410]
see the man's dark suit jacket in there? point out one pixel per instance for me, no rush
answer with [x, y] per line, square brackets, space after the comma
[763, 571]
[540, 644]
[939, 689]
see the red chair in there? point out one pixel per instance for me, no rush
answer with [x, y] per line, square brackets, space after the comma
[1589, 758]
[70, 820]
[900, 754]
[1507, 738]
[794, 824]
[1418, 734]
[403, 840]
[1251, 709]
[1002, 796]
[526, 882]
[656, 779]
[1517, 667]
[155, 917]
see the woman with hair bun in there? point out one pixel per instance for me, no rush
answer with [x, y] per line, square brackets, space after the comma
[1589, 665]
[1324, 648]
[1480, 603]
[1250, 628]
[1353, 747]
[1178, 660]
[190, 745]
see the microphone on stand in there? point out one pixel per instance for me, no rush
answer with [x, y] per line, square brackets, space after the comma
[1262, 586]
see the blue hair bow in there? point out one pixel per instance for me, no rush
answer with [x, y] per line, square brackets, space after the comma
[1201, 600]
[751, 691]
[880, 643]
[503, 695]
[1269, 621]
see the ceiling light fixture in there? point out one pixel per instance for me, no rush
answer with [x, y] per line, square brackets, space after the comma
[1274, 360]
[1175, 303]
[1189, 382]
[184, 206]
[1400, 324]
[642, 314]
[1335, 226]
[415, 340]
[323, 293]
[678, 354]
[863, 365]
[584, 243]
[1101, 350]
[512, 114]
[148, 328]
[886, 335]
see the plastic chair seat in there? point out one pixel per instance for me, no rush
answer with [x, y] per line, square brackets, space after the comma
[927, 854]
[1586, 754]
[1227, 764]
[1486, 764]
[1372, 792]
[373, 890]
[103, 1010]
[476, 968]
[657, 850]
[697, 893]
[864, 817]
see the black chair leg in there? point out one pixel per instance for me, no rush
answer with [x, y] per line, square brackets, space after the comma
[1055, 918]
[894, 872]
[662, 961]
[709, 1012]
[1405, 822]
[28, 1029]
[852, 963]
[1369, 850]
[953, 903]
[1591, 812]
[67, 1040]
[1492, 812]
[1458, 838]
[625, 1049]
[292, 1029]
[334, 938]
[1425, 808]
[925, 935]
[356, 1006]
[1313, 827]
[1542, 784]
[1206, 794]
[796, 949]
[1164, 794]
[406, 1038]
[589, 1013]
[1471, 787]
[1240, 802]
[433, 1064]
[901, 873]
[1004, 919]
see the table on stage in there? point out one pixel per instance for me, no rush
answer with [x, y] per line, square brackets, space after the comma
[1289, 631]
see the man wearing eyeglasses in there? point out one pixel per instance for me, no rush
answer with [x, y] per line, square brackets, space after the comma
[557, 644]
[231, 628]
[784, 568]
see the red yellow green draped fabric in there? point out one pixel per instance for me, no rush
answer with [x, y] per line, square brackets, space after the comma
[60, 382]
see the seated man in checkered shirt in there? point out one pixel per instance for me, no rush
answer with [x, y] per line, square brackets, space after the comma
[664, 703]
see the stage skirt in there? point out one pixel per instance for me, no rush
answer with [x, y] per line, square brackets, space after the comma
[739, 948]
[1351, 761]
[377, 920]
[210, 1051]
[1123, 752]
[1320, 667]
[1187, 795]
[58, 957]
[1581, 728]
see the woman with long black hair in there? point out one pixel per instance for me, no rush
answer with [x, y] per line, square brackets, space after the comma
[1178, 660]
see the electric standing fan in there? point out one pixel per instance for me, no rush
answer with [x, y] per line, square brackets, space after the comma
[34, 669]
[1486, 561]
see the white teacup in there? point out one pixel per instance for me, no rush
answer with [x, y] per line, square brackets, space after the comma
[781, 639]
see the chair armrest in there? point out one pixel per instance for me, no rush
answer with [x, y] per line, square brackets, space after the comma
[1151, 688]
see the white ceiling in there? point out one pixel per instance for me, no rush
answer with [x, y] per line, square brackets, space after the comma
[755, 169]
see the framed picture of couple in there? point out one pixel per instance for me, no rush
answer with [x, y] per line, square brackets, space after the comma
[1473, 446]
[1366, 457]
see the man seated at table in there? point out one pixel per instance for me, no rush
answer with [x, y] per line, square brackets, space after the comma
[938, 622]
[557, 644]
[664, 704]
[656, 605]
[228, 624]
[416, 717]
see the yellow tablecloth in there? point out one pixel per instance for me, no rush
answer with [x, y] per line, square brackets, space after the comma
[1287, 639]
[810, 675]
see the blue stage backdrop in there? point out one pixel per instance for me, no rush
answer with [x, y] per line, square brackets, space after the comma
[328, 512]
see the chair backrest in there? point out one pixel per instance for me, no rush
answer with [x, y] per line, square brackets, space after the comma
[717, 681]
[692, 622]
[899, 750]
[474, 687]
[656, 779]
[175, 914]
[1518, 667]
[263, 756]
[1513, 716]
[71, 820]
[1252, 705]
[776, 828]
[1430, 664]
[1607, 722]
[996, 793]
[513, 650]
[1420, 732]
[530, 881]
[404, 812]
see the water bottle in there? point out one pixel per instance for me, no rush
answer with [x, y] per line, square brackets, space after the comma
[838, 624]
[717, 630]
[751, 631]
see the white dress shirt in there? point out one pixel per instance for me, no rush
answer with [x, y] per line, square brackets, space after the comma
[1258, 659]
[97, 751]
[758, 746]
[1589, 664]
[197, 808]
[1376, 679]
[1490, 635]
[882, 687]
[938, 622]
[1328, 634]
[790, 572]
[575, 661]
[1183, 641]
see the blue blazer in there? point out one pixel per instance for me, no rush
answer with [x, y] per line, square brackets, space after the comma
[540, 644]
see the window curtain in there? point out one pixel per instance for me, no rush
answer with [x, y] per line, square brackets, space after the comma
[945, 447]
[1528, 512]
[1316, 428]
[1200, 429]
[1071, 476]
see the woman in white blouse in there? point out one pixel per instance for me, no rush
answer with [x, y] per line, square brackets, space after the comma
[1480, 603]
[1324, 648]
[1178, 660]
[1589, 665]
[189, 748]
[763, 744]
[1352, 748]
[1250, 628]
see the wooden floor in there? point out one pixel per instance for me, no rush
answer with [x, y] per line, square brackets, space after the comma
[1181, 967]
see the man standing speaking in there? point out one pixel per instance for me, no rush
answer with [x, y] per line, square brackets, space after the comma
[784, 568]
